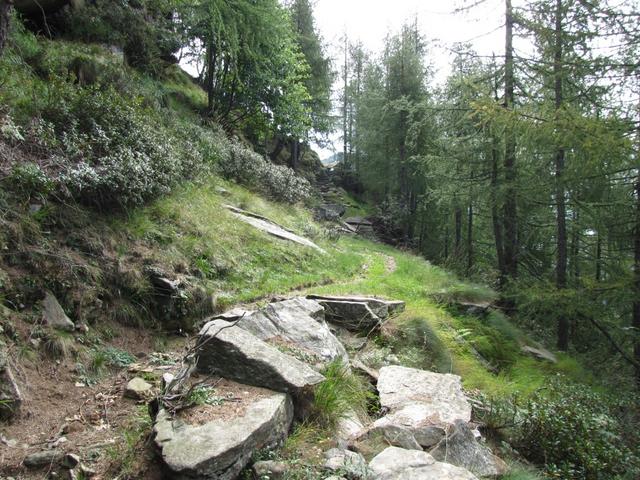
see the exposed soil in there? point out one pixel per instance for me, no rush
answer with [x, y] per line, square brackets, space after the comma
[59, 411]
[229, 400]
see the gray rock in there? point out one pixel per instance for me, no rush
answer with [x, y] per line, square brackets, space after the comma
[330, 212]
[43, 458]
[138, 389]
[460, 447]
[350, 464]
[298, 323]
[381, 307]
[53, 314]
[371, 373]
[239, 355]
[269, 469]
[221, 448]
[417, 398]
[271, 228]
[70, 460]
[539, 353]
[354, 316]
[428, 435]
[398, 436]
[233, 314]
[348, 427]
[399, 464]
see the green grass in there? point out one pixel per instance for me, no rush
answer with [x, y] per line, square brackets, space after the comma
[428, 335]
[192, 230]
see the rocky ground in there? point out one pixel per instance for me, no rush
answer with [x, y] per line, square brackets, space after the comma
[251, 375]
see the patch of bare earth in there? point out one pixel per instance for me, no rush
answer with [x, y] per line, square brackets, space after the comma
[60, 411]
[228, 400]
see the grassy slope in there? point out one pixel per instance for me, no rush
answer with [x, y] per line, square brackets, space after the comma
[190, 231]
[192, 227]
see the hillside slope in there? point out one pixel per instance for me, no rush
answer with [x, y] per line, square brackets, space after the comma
[113, 200]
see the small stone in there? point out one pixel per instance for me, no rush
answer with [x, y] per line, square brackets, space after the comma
[70, 460]
[82, 327]
[137, 389]
[167, 378]
[43, 458]
[86, 471]
[269, 468]
[351, 463]
[58, 442]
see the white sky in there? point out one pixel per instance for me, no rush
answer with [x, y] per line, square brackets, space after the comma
[371, 20]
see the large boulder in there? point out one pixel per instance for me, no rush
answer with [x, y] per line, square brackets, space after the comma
[221, 447]
[297, 326]
[461, 448]
[418, 400]
[399, 464]
[233, 353]
[381, 307]
[53, 314]
[354, 316]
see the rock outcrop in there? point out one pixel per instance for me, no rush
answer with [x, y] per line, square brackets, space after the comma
[220, 448]
[272, 228]
[417, 398]
[399, 464]
[297, 324]
[381, 307]
[53, 314]
[460, 447]
[234, 353]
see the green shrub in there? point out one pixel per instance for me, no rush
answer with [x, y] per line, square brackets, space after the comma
[276, 181]
[576, 433]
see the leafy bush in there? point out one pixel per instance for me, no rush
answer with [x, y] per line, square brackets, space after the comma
[278, 182]
[576, 433]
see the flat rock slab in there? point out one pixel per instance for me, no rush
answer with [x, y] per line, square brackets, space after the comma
[297, 326]
[266, 225]
[354, 316]
[399, 464]
[381, 307]
[220, 448]
[460, 447]
[418, 399]
[236, 354]
[539, 353]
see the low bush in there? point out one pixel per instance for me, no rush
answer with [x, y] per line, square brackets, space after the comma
[276, 181]
[577, 433]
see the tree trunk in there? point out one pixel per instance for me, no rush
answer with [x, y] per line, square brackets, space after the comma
[495, 207]
[575, 246]
[446, 241]
[5, 16]
[211, 75]
[295, 153]
[599, 258]
[458, 225]
[470, 240]
[561, 209]
[510, 174]
[345, 133]
[635, 321]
